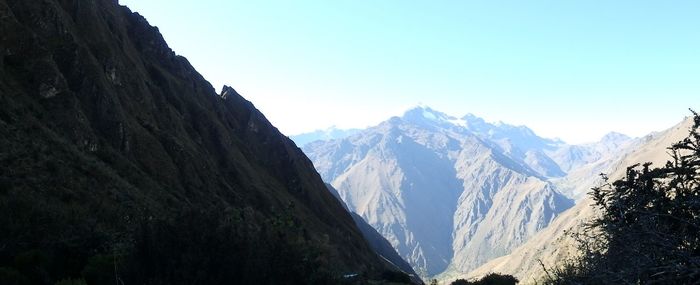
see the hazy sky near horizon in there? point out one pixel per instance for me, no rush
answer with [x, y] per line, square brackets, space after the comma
[570, 69]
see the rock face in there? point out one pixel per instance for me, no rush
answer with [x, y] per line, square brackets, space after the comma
[552, 245]
[446, 192]
[110, 143]
[520, 143]
[376, 241]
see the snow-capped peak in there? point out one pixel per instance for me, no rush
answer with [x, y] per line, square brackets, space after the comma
[423, 112]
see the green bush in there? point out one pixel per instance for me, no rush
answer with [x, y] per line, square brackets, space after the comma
[490, 279]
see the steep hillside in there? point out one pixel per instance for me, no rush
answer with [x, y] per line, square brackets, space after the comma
[552, 245]
[119, 161]
[440, 193]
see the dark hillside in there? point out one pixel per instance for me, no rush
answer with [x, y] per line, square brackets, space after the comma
[120, 163]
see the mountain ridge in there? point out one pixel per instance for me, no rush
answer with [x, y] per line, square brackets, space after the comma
[114, 148]
[385, 173]
[552, 245]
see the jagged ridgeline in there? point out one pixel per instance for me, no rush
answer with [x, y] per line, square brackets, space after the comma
[120, 164]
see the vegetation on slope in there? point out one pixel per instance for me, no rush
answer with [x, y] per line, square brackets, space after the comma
[648, 231]
[489, 279]
[120, 164]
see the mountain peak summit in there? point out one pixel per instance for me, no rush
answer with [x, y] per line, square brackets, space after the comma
[615, 137]
[423, 114]
[420, 107]
[227, 91]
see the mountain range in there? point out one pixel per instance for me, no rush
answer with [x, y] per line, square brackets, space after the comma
[452, 194]
[120, 164]
[329, 133]
[552, 246]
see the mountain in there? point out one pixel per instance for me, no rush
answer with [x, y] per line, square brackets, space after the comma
[120, 163]
[378, 243]
[552, 246]
[572, 156]
[446, 192]
[584, 162]
[551, 158]
[519, 142]
[322, 135]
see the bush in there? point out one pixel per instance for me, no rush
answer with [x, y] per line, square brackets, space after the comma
[649, 227]
[490, 279]
[497, 279]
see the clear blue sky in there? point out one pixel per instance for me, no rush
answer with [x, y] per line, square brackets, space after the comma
[568, 69]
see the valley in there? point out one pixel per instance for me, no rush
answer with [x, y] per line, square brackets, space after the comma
[458, 196]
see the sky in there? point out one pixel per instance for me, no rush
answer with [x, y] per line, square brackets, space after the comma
[568, 69]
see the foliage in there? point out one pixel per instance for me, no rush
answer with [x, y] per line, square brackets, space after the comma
[241, 249]
[490, 279]
[649, 227]
[197, 247]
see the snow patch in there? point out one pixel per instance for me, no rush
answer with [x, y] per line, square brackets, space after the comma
[430, 116]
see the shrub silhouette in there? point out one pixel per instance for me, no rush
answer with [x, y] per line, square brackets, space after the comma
[649, 227]
[490, 279]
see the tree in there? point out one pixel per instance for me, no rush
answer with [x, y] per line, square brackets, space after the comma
[489, 279]
[648, 230]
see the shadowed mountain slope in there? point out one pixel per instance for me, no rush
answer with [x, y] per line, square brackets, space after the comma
[119, 161]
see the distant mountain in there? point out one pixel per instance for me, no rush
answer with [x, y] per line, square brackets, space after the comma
[586, 161]
[552, 246]
[322, 135]
[120, 164]
[572, 156]
[519, 142]
[446, 192]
